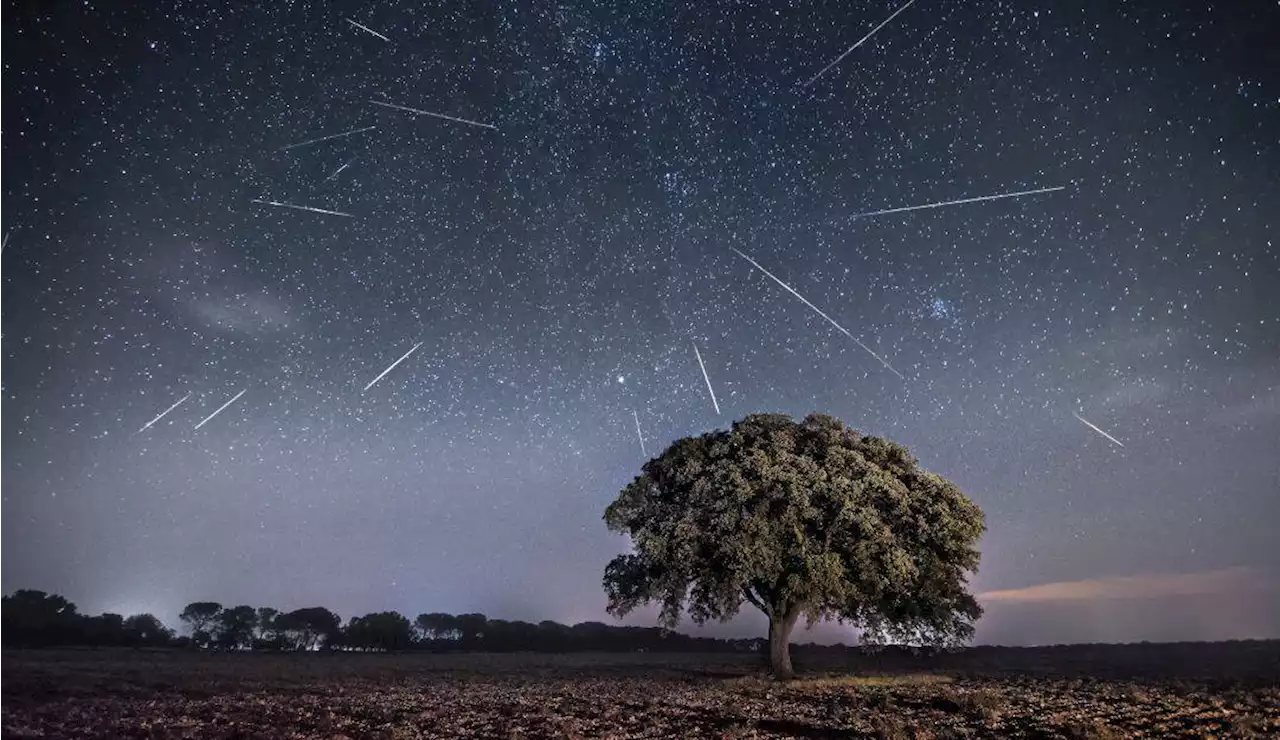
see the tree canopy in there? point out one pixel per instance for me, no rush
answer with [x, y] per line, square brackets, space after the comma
[31, 618]
[309, 628]
[36, 618]
[808, 519]
[146, 629]
[380, 630]
[201, 617]
[236, 626]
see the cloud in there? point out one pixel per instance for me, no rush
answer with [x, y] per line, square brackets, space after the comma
[253, 313]
[208, 286]
[1148, 586]
[1134, 392]
[1121, 347]
[1259, 408]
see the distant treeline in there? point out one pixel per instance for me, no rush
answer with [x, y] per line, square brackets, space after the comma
[36, 619]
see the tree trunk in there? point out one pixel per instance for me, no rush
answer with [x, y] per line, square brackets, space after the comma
[780, 644]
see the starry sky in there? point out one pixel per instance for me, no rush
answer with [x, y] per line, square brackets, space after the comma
[556, 254]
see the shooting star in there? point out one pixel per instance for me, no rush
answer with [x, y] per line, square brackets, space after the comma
[434, 115]
[849, 51]
[1018, 194]
[164, 413]
[220, 408]
[278, 204]
[338, 171]
[706, 378]
[352, 132]
[392, 366]
[5, 242]
[830, 320]
[366, 29]
[638, 433]
[1089, 424]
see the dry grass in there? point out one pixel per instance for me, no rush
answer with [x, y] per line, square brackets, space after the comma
[408, 697]
[1248, 726]
[1137, 694]
[889, 727]
[1091, 729]
[842, 681]
[980, 704]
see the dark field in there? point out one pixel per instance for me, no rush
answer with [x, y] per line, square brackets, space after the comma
[1205, 690]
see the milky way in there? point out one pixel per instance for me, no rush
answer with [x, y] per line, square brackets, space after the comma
[557, 230]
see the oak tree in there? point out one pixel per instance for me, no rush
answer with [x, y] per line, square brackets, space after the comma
[201, 617]
[809, 519]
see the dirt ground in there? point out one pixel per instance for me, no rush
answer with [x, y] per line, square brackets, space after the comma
[1229, 690]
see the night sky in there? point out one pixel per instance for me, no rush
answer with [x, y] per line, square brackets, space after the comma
[558, 263]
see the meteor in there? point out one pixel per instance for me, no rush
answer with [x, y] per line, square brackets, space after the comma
[706, 378]
[338, 171]
[147, 426]
[860, 42]
[220, 408]
[638, 434]
[392, 366]
[434, 115]
[278, 204]
[366, 29]
[1018, 194]
[1089, 424]
[352, 132]
[830, 320]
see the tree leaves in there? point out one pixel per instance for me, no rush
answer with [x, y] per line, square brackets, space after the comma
[811, 516]
[380, 630]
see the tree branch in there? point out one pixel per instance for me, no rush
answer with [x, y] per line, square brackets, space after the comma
[746, 591]
[764, 594]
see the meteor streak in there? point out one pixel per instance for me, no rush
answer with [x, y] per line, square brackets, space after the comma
[434, 115]
[860, 42]
[147, 426]
[220, 408]
[278, 204]
[368, 30]
[638, 434]
[706, 378]
[1018, 194]
[352, 132]
[830, 320]
[338, 171]
[392, 366]
[1089, 424]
